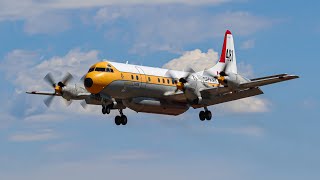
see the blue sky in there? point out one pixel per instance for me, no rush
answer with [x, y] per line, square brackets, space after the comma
[273, 136]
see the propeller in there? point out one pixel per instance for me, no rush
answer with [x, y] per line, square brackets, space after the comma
[58, 87]
[221, 77]
[183, 80]
[84, 104]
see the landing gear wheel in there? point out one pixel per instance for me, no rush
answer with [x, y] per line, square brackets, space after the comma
[124, 120]
[202, 115]
[118, 120]
[106, 109]
[208, 115]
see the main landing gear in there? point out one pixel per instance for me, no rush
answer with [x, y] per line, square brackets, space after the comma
[121, 120]
[205, 115]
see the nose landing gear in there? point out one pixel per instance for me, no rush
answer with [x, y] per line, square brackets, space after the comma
[106, 109]
[205, 115]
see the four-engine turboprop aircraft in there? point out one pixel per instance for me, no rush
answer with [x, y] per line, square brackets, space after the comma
[161, 91]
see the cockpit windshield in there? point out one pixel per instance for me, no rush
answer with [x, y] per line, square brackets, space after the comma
[101, 69]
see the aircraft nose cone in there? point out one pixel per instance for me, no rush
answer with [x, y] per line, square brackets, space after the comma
[88, 82]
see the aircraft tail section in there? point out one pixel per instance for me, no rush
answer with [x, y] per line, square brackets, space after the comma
[227, 61]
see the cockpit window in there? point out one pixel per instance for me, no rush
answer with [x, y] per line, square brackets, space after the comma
[100, 69]
[90, 70]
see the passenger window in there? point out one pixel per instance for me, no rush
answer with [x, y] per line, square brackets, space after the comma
[108, 70]
[111, 70]
[132, 77]
[168, 81]
[158, 80]
[173, 81]
[137, 77]
[163, 81]
[149, 79]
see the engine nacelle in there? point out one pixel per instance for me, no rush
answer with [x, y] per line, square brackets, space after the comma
[151, 105]
[234, 80]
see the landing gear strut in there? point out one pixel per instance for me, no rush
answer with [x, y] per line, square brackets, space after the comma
[205, 115]
[106, 109]
[122, 119]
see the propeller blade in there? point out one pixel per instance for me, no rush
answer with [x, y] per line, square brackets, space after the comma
[170, 74]
[48, 101]
[68, 77]
[84, 104]
[190, 71]
[67, 103]
[224, 70]
[208, 73]
[49, 79]
[82, 79]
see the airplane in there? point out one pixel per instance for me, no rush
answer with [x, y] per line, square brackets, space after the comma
[117, 86]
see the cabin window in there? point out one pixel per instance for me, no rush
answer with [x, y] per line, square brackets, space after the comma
[111, 70]
[173, 81]
[137, 77]
[163, 81]
[149, 79]
[132, 76]
[158, 80]
[168, 81]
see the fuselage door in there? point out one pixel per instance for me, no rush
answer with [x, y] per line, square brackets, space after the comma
[142, 77]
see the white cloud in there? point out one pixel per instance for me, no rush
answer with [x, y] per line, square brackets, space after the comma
[249, 44]
[48, 23]
[246, 105]
[14, 9]
[153, 28]
[42, 135]
[200, 61]
[196, 59]
[32, 69]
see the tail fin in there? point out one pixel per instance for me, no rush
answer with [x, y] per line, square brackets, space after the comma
[227, 60]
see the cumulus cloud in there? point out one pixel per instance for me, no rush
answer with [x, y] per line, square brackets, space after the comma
[153, 28]
[32, 68]
[199, 60]
[196, 59]
[13, 9]
[249, 44]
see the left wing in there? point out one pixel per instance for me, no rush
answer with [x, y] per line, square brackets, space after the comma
[226, 97]
[224, 94]
[43, 93]
[267, 80]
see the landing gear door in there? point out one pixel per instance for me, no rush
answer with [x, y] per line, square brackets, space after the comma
[142, 77]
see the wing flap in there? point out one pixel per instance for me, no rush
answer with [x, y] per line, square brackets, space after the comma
[231, 96]
[268, 80]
